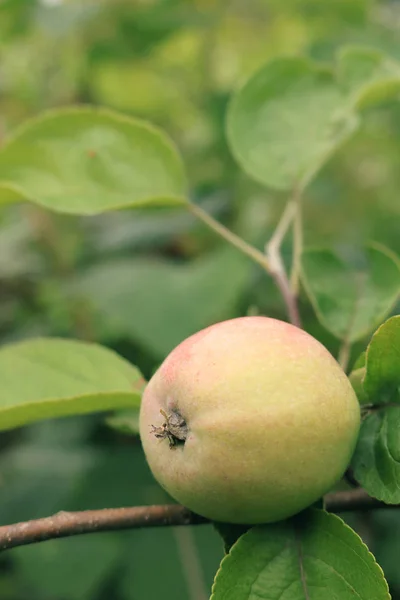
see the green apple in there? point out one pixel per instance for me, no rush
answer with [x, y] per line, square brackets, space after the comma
[249, 421]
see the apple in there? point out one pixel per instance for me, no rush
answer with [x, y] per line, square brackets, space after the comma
[249, 421]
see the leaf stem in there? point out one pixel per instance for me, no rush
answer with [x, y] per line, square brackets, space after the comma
[271, 261]
[277, 268]
[230, 237]
[344, 354]
[297, 242]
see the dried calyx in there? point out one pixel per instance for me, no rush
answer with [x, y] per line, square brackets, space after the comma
[174, 429]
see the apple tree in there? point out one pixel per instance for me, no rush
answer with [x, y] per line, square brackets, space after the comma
[299, 460]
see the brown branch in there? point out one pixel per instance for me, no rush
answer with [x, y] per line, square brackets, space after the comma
[65, 524]
[353, 500]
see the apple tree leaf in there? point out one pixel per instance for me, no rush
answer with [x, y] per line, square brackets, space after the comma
[286, 122]
[49, 378]
[382, 363]
[314, 556]
[87, 160]
[376, 461]
[356, 378]
[367, 75]
[176, 299]
[351, 300]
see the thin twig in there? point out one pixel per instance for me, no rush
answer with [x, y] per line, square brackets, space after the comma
[271, 262]
[353, 500]
[297, 242]
[231, 237]
[65, 524]
[277, 268]
[344, 354]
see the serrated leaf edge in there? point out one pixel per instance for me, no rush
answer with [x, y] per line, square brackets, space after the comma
[326, 514]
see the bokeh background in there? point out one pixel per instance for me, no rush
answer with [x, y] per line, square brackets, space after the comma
[141, 281]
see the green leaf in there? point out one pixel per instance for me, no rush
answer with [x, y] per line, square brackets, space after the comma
[382, 378]
[314, 556]
[48, 378]
[286, 122]
[368, 76]
[351, 300]
[360, 362]
[86, 161]
[376, 461]
[177, 300]
[356, 378]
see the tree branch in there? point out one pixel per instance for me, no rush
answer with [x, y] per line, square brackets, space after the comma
[65, 524]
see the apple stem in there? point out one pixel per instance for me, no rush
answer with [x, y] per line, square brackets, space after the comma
[174, 429]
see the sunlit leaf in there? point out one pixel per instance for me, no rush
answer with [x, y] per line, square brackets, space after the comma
[87, 161]
[382, 378]
[46, 378]
[368, 76]
[286, 121]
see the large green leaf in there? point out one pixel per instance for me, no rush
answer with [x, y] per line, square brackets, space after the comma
[376, 461]
[351, 300]
[314, 556]
[159, 303]
[367, 75]
[286, 121]
[47, 378]
[87, 161]
[289, 117]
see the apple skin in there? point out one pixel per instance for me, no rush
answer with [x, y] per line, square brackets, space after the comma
[269, 418]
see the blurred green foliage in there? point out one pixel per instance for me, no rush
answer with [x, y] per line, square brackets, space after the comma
[141, 281]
